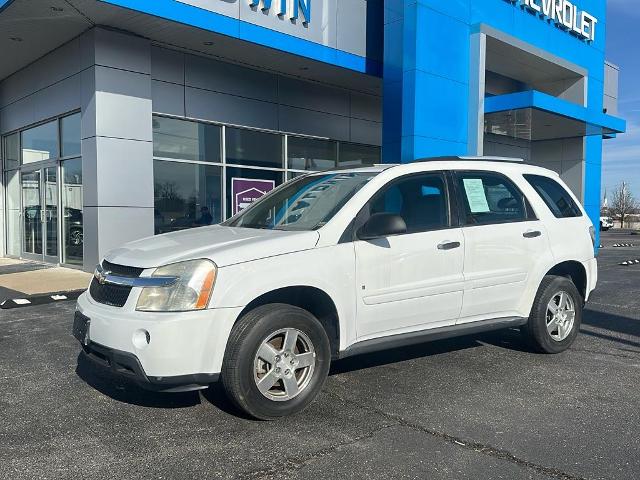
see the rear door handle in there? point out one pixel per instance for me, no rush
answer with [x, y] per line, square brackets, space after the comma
[532, 234]
[448, 245]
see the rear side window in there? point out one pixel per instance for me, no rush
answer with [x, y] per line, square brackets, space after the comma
[555, 196]
[491, 198]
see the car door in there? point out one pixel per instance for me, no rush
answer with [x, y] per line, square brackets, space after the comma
[503, 242]
[415, 280]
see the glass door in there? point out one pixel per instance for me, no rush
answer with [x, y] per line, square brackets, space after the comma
[50, 206]
[40, 214]
[31, 215]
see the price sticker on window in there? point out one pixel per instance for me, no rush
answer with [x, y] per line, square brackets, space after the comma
[476, 195]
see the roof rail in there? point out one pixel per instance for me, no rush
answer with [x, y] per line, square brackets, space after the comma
[495, 159]
[485, 159]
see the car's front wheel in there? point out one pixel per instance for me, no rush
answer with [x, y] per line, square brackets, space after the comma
[276, 361]
[556, 315]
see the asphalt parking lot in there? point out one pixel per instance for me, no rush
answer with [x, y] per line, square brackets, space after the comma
[474, 407]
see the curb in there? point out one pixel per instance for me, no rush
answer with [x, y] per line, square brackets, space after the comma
[42, 299]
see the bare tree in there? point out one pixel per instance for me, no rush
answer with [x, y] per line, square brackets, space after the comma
[623, 202]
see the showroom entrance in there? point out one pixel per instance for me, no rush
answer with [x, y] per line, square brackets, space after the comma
[39, 192]
[43, 192]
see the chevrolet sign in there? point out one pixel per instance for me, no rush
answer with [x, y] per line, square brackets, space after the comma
[565, 14]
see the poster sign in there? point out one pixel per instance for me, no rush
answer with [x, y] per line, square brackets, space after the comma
[245, 191]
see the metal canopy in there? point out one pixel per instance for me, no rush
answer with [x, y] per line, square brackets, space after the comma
[31, 29]
[534, 116]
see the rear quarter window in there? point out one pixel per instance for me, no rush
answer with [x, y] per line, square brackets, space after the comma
[554, 196]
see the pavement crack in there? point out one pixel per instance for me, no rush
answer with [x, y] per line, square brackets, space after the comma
[469, 445]
[610, 354]
[297, 462]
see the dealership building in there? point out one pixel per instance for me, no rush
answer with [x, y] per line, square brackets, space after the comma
[122, 119]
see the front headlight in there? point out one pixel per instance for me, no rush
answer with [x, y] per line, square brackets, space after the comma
[191, 290]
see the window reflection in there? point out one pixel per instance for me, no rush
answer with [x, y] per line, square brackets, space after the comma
[186, 195]
[32, 218]
[250, 147]
[51, 211]
[186, 140]
[189, 192]
[13, 213]
[40, 143]
[72, 220]
[311, 154]
[352, 154]
[70, 135]
[12, 151]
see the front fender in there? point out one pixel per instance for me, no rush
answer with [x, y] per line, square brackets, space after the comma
[330, 269]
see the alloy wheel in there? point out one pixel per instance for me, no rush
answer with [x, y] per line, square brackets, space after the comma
[561, 315]
[284, 364]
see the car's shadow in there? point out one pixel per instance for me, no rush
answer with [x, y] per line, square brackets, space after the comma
[401, 354]
[124, 390]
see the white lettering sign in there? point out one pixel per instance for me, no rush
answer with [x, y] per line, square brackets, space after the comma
[292, 9]
[565, 14]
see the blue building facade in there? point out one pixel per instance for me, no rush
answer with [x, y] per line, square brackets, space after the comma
[189, 100]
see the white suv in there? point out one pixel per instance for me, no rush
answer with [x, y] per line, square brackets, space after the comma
[340, 263]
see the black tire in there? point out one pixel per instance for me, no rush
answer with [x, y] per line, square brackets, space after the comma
[238, 369]
[536, 328]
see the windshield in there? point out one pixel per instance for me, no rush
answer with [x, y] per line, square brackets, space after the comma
[303, 204]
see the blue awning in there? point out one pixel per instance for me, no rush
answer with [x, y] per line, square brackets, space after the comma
[533, 115]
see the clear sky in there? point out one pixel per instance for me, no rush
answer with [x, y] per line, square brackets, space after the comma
[621, 159]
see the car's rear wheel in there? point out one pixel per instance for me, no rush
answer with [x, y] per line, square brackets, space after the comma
[556, 315]
[276, 362]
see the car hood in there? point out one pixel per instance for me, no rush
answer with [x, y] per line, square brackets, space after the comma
[223, 245]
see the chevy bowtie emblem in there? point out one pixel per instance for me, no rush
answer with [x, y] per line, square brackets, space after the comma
[101, 276]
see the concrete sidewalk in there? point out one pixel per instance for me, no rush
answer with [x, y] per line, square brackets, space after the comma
[19, 278]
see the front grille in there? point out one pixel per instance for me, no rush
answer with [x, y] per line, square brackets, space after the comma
[113, 295]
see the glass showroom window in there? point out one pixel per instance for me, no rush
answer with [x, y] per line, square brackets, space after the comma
[12, 183]
[70, 135]
[185, 140]
[311, 154]
[72, 218]
[190, 191]
[253, 148]
[40, 143]
[247, 148]
[187, 195]
[353, 155]
[71, 190]
[12, 178]
[12, 151]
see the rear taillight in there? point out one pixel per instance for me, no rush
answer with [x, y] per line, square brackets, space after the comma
[592, 234]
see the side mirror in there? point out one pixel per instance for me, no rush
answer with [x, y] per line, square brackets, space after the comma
[382, 225]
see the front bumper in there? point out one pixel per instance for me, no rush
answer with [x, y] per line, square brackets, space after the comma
[182, 348]
[128, 366]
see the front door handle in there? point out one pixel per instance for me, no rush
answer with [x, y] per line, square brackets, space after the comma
[448, 245]
[532, 234]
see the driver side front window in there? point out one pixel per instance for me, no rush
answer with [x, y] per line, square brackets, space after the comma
[421, 201]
